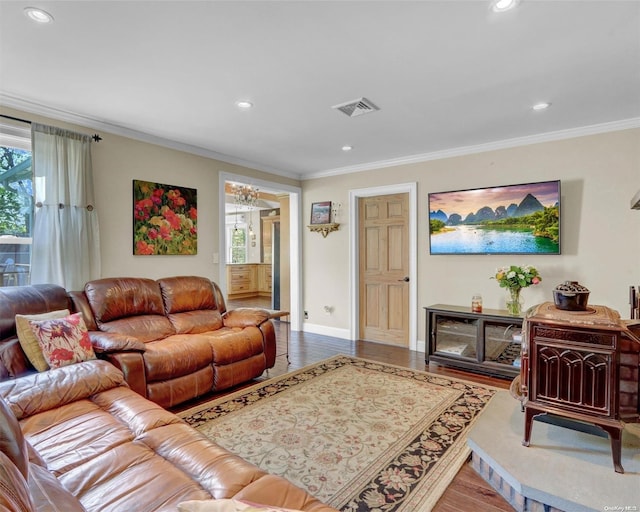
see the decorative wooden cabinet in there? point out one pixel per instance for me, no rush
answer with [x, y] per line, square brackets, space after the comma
[581, 367]
[487, 342]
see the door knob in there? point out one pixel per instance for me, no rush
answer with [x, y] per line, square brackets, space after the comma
[405, 279]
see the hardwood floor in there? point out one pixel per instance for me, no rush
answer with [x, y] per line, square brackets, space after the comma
[468, 491]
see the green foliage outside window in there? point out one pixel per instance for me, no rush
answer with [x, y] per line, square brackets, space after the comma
[12, 222]
[239, 245]
[15, 191]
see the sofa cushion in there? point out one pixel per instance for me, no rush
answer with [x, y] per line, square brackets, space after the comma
[196, 322]
[187, 293]
[144, 328]
[28, 339]
[190, 304]
[129, 305]
[114, 298]
[63, 341]
[176, 355]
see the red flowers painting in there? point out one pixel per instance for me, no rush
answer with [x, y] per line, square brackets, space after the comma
[164, 219]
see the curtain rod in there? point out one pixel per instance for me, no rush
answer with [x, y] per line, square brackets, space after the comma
[95, 136]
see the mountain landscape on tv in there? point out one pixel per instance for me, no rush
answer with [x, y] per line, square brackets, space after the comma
[520, 224]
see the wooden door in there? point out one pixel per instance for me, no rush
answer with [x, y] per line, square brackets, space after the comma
[384, 268]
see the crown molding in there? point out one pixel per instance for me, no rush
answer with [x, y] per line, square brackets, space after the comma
[105, 126]
[570, 133]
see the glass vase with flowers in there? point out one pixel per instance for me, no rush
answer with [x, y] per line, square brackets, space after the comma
[514, 278]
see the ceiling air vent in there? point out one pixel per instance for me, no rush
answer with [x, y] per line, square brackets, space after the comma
[356, 107]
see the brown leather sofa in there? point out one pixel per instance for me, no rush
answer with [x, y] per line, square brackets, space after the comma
[78, 438]
[173, 338]
[25, 300]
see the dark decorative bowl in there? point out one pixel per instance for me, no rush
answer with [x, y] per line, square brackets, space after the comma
[571, 296]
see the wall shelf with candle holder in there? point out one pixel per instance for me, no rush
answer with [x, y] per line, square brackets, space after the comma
[323, 216]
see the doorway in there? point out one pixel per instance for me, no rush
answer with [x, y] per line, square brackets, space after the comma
[384, 305]
[272, 220]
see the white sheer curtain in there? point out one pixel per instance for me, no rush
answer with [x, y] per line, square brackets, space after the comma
[66, 241]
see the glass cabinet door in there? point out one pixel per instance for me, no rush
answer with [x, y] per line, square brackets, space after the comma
[502, 343]
[456, 337]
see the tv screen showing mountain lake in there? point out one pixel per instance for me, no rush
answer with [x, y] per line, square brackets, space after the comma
[513, 219]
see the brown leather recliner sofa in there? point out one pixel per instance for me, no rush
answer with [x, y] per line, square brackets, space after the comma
[92, 443]
[78, 438]
[173, 338]
[25, 300]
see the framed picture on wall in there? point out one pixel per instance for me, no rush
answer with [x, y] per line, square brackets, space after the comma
[321, 212]
[165, 219]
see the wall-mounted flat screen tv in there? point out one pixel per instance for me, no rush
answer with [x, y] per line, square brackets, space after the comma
[509, 219]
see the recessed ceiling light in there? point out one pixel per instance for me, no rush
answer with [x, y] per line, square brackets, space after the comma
[243, 104]
[503, 5]
[543, 105]
[347, 148]
[38, 15]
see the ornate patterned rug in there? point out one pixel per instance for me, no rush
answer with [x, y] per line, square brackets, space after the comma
[357, 434]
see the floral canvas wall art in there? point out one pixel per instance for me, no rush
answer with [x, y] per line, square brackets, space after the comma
[164, 219]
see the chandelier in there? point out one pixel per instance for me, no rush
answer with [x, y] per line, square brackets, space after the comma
[245, 195]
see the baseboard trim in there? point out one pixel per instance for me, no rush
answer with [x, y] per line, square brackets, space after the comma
[326, 331]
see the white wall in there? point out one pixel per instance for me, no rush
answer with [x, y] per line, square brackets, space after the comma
[600, 233]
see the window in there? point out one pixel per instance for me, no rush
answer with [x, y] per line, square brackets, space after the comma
[16, 204]
[239, 245]
[236, 239]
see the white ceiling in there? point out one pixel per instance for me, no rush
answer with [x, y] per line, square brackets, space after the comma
[447, 75]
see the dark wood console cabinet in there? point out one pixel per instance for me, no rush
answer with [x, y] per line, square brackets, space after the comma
[487, 342]
[581, 367]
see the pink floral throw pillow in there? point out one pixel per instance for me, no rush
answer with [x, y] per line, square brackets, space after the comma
[63, 341]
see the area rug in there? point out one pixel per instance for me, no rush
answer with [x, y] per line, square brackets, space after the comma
[359, 435]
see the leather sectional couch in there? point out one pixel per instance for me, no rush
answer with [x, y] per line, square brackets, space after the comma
[78, 438]
[84, 437]
[173, 338]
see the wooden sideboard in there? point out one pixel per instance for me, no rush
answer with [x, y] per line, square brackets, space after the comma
[581, 367]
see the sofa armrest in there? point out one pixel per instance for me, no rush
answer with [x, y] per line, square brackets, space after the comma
[269, 342]
[14, 491]
[245, 317]
[13, 361]
[104, 342]
[131, 364]
[81, 305]
[40, 392]
[49, 494]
